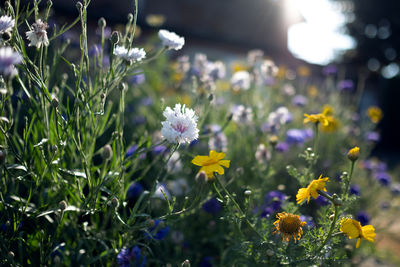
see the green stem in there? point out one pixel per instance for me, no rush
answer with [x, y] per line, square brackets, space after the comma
[346, 192]
[330, 230]
[242, 214]
[315, 145]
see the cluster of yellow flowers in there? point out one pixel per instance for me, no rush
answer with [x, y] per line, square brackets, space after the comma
[290, 225]
[328, 122]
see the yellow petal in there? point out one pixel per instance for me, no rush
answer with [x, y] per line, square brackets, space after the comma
[302, 194]
[358, 242]
[225, 163]
[368, 232]
[200, 160]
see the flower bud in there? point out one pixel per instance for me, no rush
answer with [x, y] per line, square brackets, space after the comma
[62, 205]
[11, 254]
[309, 149]
[210, 97]
[270, 252]
[107, 152]
[130, 17]
[353, 153]
[2, 156]
[186, 263]
[201, 177]
[230, 117]
[114, 202]
[54, 102]
[79, 6]
[247, 193]
[115, 37]
[102, 22]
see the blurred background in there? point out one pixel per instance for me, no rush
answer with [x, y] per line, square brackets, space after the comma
[359, 37]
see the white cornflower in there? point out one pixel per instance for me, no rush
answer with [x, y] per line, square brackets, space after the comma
[134, 54]
[180, 125]
[38, 34]
[254, 56]
[6, 24]
[268, 69]
[171, 40]
[262, 154]
[241, 114]
[241, 80]
[8, 58]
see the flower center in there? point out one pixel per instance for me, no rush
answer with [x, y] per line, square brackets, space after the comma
[289, 224]
[180, 128]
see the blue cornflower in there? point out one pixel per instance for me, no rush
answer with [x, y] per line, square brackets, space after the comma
[159, 231]
[346, 85]
[383, 178]
[131, 258]
[157, 150]
[131, 150]
[134, 191]
[363, 217]
[299, 100]
[212, 206]
[355, 190]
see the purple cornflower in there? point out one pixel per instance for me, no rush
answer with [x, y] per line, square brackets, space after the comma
[299, 100]
[134, 191]
[157, 150]
[321, 201]
[282, 147]
[383, 178]
[298, 136]
[346, 86]
[212, 206]
[329, 70]
[308, 219]
[373, 137]
[95, 50]
[363, 217]
[355, 190]
[159, 231]
[131, 151]
[9, 58]
[138, 78]
[131, 257]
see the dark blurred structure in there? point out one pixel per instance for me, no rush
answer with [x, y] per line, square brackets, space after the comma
[376, 28]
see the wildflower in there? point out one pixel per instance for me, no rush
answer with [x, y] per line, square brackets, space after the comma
[160, 149]
[171, 40]
[373, 137]
[240, 80]
[383, 178]
[268, 69]
[161, 192]
[134, 191]
[277, 118]
[311, 189]
[254, 56]
[127, 256]
[298, 136]
[212, 163]
[38, 35]
[299, 100]
[241, 114]
[395, 189]
[353, 153]
[158, 231]
[346, 85]
[288, 89]
[355, 190]
[8, 58]
[262, 154]
[218, 142]
[212, 206]
[180, 125]
[6, 24]
[329, 70]
[375, 114]
[332, 126]
[363, 217]
[322, 201]
[316, 118]
[289, 225]
[329, 123]
[304, 71]
[282, 147]
[353, 229]
[178, 187]
[133, 55]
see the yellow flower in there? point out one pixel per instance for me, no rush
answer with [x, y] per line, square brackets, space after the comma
[316, 118]
[353, 229]
[212, 163]
[333, 125]
[237, 66]
[289, 225]
[281, 72]
[375, 114]
[304, 71]
[327, 110]
[353, 153]
[311, 189]
[312, 91]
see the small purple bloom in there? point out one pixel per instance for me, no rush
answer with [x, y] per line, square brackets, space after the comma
[346, 85]
[134, 191]
[266, 212]
[146, 101]
[282, 147]
[212, 206]
[157, 150]
[383, 178]
[373, 137]
[355, 190]
[158, 231]
[329, 70]
[131, 257]
[131, 151]
[321, 201]
[137, 78]
[363, 217]
[299, 100]
[309, 220]
[95, 50]
[298, 136]
[274, 196]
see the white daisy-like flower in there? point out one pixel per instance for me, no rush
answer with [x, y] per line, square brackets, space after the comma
[262, 154]
[171, 40]
[6, 24]
[38, 35]
[134, 54]
[241, 80]
[8, 58]
[180, 125]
